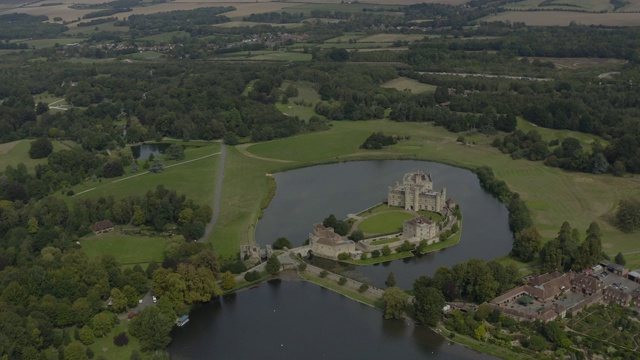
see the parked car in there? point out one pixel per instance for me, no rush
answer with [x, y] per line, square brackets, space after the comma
[155, 300]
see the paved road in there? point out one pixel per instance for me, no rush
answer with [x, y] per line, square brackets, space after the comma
[217, 195]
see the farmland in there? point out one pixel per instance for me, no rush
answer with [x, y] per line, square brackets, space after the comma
[406, 84]
[564, 18]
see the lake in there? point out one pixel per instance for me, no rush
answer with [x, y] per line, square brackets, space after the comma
[300, 320]
[143, 151]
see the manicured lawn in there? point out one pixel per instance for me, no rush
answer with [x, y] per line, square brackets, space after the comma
[437, 217]
[384, 223]
[376, 209]
[414, 86]
[125, 248]
[384, 241]
[380, 259]
[195, 179]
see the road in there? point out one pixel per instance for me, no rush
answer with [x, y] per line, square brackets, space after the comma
[217, 195]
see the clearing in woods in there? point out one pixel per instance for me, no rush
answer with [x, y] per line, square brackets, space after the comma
[406, 84]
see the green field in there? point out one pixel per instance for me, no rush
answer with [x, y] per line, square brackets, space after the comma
[384, 223]
[17, 152]
[550, 134]
[46, 43]
[307, 94]
[127, 249]
[195, 179]
[406, 84]
[552, 194]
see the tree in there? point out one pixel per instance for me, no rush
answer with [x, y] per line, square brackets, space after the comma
[363, 288]
[152, 328]
[40, 148]
[337, 54]
[375, 254]
[41, 108]
[75, 351]
[428, 305]
[620, 260]
[174, 152]
[228, 281]
[281, 243]
[86, 335]
[627, 216]
[526, 244]
[357, 235]
[102, 323]
[342, 280]
[395, 302]
[157, 167]
[230, 138]
[273, 265]
[386, 250]
[112, 169]
[121, 339]
[391, 280]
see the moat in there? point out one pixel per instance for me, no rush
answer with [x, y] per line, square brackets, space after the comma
[315, 323]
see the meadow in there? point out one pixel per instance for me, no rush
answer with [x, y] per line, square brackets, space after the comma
[127, 249]
[307, 94]
[564, 18]
[585, 5]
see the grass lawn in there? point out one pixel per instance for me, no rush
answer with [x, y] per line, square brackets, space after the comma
[380, 259]
[16, 152]
[282, 56]
[384, 241]
[125, 248]
[47, 43]
[384, 223]
[307, 94]
[194, 179]
[343, 290]
[437, 217]
[414, 86]
[104, 346]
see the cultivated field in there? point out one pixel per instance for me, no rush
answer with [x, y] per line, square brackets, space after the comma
[564, 18]
[389, 38]
[586, 5]
[406, 84]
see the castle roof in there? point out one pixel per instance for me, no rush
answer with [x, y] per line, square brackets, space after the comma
[420, 221]
[326, 235]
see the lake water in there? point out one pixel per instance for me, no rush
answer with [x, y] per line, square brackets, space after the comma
[142, 152]
[299, 320]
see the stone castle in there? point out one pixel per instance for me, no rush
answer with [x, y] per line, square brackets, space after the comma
[416, 193]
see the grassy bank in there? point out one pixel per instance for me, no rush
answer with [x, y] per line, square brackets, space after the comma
[451, 241]
[483, 347]
[380, 259]
[343, 290]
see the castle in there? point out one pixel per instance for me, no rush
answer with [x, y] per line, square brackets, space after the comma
[416, 193]
[326, 243]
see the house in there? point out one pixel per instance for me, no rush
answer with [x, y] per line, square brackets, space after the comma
[634, 276]
[614, 268]
[325, 242]
[618, 296]
[419, 228]
[102, 227]
[587, 284]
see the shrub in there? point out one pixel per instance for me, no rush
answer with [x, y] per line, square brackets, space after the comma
[121, 339]
[375, 254]
[70, 193]
[302, 267]
[342, 280]
[386, 250]
[324, 273]
[251, 276]
[281, 243]
[363, 288]
[343, 256]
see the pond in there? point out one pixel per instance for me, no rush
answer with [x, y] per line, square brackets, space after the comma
[143, 151]
[306, 196]
[299, 320]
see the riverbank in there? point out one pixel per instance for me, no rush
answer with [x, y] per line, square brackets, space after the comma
[481, 346]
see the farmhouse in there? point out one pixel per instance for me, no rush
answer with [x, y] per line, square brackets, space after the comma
[416, 193]
[325, 242]
[420, 228]
[102, 227]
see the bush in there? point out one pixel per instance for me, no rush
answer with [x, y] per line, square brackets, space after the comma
[324, 273]
[343, 256]
[342, 281]
[302, 267]
[363, 288]
[251, 276]
[281, 243]
[70, 193]
[386, 250]
[121, 339]
[375, 254]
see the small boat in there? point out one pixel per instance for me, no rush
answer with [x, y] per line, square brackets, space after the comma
[183, 320]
